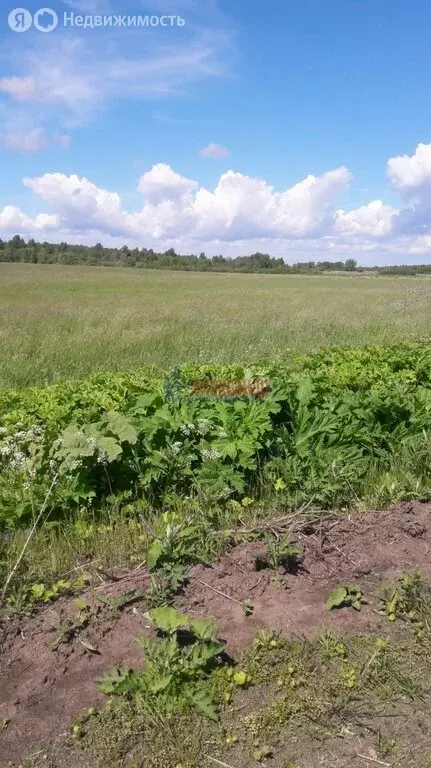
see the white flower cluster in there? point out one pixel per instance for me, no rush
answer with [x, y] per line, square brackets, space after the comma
[13, 448]
[187, 429]
[102, 457]
[75, 464]
[176, 447]
[203, 425]
[210, 453]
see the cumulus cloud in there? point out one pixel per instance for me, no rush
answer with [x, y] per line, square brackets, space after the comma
[239, 207]
[375, 219]
[242, 206]
[14, 220]
[410, 175]
[214, 151]
[240, 214]
[79, 204]
[161, 183]
[411, 172]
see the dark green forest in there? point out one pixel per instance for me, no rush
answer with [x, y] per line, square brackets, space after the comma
[18, 250]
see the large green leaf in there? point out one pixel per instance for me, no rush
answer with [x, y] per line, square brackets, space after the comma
[111, 447]
[203, 629]
[120, 426]
[167, 619]
[337, 598]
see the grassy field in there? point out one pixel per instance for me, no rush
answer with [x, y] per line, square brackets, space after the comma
[64, 322]
[273, 626]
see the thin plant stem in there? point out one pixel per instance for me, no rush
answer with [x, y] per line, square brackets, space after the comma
[27, 541]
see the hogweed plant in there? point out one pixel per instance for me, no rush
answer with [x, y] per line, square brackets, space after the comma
[175, 667]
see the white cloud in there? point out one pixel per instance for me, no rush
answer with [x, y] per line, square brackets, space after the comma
[375, 219]
[63, 140]
[410, 173]
[214, 151]
[161, 183]
[240, 214]
[79, 204]
[72, 78]
[34, 140]
[240, 207]
[29, 141]
[20, 88]
[12, 219]
[59, 76]
[65, 80]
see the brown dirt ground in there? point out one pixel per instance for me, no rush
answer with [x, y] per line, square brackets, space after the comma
[42, 691]
[365, 549]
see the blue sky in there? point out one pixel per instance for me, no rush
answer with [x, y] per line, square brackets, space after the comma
[300, 129]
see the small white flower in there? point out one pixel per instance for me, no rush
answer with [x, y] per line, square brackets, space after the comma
[18, 460]
[187, 429]
[210, 453]
[176, 447]
[203, 425]
[102, 457]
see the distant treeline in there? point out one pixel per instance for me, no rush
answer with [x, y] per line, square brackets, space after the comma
[18, 250]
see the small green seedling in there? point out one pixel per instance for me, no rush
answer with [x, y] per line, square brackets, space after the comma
[332, 647]
[405, 599]
[262, 753]
[247, 607]
[70, 628]
[240, 678]
[117, 603]
[346, 596]
[280, 552]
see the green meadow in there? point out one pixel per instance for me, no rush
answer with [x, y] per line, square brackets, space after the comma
[59, 322]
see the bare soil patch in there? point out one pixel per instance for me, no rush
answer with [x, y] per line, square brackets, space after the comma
[365, 549]
[42, 690]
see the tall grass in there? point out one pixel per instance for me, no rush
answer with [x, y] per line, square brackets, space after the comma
[61, 322]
